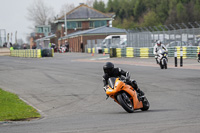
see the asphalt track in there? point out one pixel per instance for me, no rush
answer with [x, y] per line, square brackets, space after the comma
[67, 90]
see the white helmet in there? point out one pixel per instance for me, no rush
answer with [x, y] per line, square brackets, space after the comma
[158, 43]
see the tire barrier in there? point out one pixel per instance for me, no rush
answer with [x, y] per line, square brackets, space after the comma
[129, 52]
[118, 52]
[144, 52]
[113, 52]
[47, 52]
[32, 53]
[188, 52]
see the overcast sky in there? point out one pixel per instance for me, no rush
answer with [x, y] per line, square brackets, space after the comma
[13, 15]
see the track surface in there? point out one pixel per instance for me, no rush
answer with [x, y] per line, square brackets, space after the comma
[67, 89]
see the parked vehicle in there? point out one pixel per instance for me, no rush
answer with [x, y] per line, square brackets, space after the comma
[125, 95]
[177, 43]
[199, 57]
[162, 59]
[115, 41]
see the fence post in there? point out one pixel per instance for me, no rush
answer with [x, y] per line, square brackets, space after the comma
[175, 57]
[181, 57]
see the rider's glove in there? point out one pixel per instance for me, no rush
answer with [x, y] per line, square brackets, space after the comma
[127, 79]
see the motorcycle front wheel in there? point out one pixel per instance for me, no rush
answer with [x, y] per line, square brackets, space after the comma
[125, 102]
[165, 63]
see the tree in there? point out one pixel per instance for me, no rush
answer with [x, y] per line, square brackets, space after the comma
[181, 13]
[139, 9]
[162, 10]
[39, 13]
[90, 3]
[99, 5]
[66, 8]
[151, 19]
[197, 10]
[110, 6]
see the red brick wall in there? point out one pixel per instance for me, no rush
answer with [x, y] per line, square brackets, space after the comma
[85, 25]
[75, 43]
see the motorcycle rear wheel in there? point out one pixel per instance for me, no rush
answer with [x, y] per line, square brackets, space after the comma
[161, 66]
[125, 102]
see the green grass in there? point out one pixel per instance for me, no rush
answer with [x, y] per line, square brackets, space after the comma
[14, 109]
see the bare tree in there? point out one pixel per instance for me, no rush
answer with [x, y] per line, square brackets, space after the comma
[89, 3]
[66, 8]
[40, 13]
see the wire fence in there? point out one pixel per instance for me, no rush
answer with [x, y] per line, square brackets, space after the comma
[171, 35]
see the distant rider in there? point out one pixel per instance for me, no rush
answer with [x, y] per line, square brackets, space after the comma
[110, 71]
[157, 47]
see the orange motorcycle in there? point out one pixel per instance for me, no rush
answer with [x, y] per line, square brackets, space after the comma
[125, 95]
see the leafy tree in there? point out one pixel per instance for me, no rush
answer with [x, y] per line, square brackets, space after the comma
[181, 13]
[139, 9]
[153, 12]
[197, 10]
[151, 19]
[162, 10]
[110, 6]
[99, 5]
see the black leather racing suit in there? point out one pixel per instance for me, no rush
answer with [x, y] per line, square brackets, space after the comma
[118, 72]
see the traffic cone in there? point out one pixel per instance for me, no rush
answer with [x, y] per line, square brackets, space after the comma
[104, 54]
[92, 54]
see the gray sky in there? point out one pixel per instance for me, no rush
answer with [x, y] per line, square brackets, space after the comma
[13, 14]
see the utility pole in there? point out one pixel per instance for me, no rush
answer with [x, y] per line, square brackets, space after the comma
[65, 23]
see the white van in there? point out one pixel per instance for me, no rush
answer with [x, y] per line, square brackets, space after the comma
[115, 41]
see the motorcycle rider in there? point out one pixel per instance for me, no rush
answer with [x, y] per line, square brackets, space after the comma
[110, 71]
[157, 47]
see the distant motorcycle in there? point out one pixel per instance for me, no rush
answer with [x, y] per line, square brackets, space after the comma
[162, 59]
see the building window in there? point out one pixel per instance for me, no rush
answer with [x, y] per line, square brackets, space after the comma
[91, 24]
[79, 24]
[100, 23]
[40, 30]
[71, 25]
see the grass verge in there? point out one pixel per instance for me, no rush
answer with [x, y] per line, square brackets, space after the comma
[14, 109]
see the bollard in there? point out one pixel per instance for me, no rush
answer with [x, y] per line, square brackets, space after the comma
[175, 57]
[181, 57]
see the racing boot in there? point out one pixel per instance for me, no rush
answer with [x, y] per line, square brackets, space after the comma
[140, 92]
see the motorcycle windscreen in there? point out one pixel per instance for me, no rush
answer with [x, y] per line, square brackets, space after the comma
[111, 82]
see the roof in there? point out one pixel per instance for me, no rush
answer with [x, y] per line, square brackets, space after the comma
[46, 38]
[100, 30]
[85, 12]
